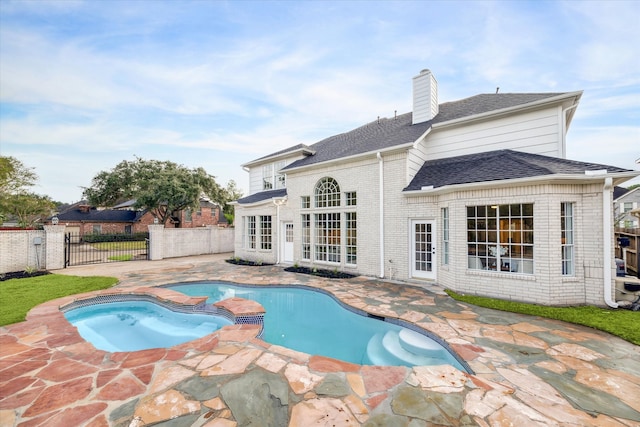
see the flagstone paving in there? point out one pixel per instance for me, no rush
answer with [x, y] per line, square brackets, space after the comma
[528, 371]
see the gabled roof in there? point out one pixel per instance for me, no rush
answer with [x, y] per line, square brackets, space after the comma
[497, 165]
[262, 196]
[619, 192]
[624, 194]
[106, 215]
[387, 133]
[299, 148]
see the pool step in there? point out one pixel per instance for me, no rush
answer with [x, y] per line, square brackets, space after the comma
[388, 349]
[421, 344]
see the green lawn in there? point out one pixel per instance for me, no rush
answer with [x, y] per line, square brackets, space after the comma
[125, 257]
[622, 323]
[18, 296]
[120, 246]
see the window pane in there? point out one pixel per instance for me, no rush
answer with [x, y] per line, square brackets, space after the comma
[265, 232]
[496, 240]
[327, 193]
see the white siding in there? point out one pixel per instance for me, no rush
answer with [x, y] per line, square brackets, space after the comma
[415, 159]
[255, 173]
[537, 132]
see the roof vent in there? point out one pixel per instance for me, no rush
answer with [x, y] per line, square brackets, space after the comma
[596, 172]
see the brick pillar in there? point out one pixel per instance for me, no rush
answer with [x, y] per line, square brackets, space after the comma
[156, 242]
[54, 247]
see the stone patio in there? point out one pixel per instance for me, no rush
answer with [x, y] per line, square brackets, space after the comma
[528, 371]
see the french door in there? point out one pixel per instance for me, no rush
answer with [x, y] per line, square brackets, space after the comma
[423, 249]
[287, 246]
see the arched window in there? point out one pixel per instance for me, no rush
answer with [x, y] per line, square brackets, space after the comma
[327, 193]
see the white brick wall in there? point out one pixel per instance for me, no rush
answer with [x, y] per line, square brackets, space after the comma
[546, 286]
[257, 254]
[17, 251]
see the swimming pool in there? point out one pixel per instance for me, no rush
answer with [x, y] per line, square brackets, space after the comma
[139, 325]
[311, 321]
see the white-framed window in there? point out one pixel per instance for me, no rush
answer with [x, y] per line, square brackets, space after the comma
[500, 238]
[267, 177]
[281, 179]
[567, 238]
[327, 193]
[265, 232]
[97, 228]
[445, 236]
[306, 236]
[250, 232]
[327, 237]
[271, 176]
[329, 230]
[351, 237]
[188, 215]
[305, 202]
[350, 198]
[627, 206]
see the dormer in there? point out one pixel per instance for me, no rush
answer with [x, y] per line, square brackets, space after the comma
[266, 173]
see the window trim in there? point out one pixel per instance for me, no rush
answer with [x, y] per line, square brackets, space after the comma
[445, 235]
[250, 232]
[327, 193]
[568, 232]
[501, 238]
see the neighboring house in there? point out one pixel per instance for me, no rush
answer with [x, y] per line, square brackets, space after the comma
[81, 218]
[475, 194]
[208, 213]
[625, 201]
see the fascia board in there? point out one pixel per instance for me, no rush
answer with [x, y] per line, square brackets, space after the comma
[269, 159]
[509, 110]
[269, 201]
[618, 177]
[395, 148]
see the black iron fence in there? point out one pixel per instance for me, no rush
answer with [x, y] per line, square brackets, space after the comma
[100, 248]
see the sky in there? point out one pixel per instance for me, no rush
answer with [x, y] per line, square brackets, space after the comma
[85, 85]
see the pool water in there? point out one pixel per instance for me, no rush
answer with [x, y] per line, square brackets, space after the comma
[139, 325]
[313, 322]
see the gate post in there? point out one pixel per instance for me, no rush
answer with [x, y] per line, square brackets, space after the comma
[156, 242]
[54, 246]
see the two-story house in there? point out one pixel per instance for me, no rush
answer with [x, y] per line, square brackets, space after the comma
[475, 194]
[624, 202]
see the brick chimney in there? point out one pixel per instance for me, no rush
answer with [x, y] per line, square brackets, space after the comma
[425, 97]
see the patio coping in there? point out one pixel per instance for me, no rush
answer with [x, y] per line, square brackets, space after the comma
[528, 370]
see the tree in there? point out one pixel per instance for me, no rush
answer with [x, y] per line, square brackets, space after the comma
[162, 187]
[15, 199]
[231, 193]
[29, 208]
[14, 176]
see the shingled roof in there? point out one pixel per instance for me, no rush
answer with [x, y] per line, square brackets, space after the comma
[106, 215]
[263, 195]
[497, 165]
[390, 132]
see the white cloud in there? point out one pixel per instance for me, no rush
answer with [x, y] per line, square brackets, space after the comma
[219, 84]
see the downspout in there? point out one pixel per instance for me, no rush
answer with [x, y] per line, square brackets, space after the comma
[381, 213]
[279, 237]
[607, 226]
